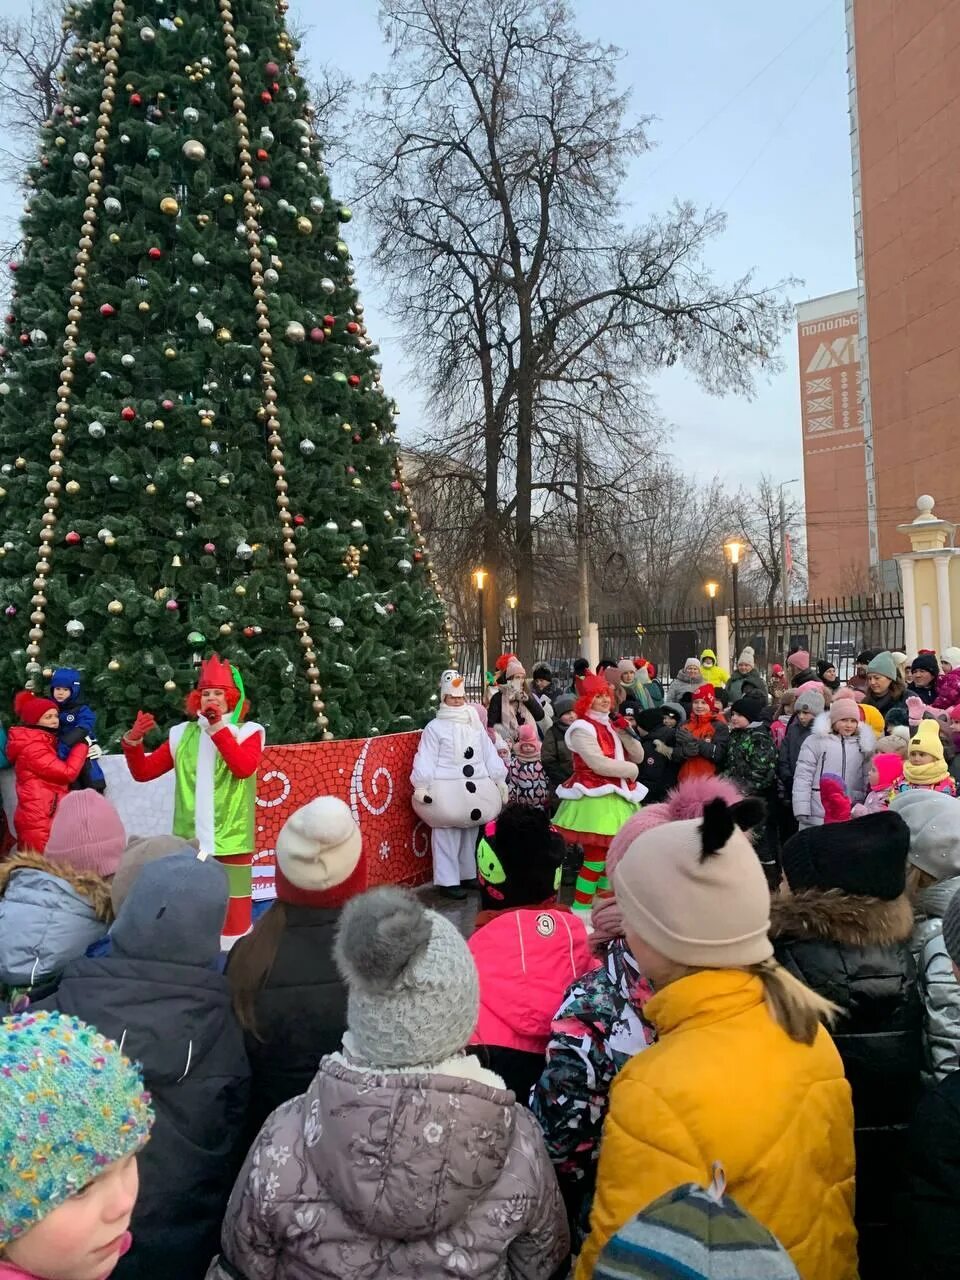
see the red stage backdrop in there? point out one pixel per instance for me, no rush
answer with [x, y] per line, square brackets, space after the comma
[373, 776]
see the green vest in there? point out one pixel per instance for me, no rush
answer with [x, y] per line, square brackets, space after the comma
[209, 802]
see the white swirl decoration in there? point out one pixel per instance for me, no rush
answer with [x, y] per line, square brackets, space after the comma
[275, 775]
[421, 840]
[381, 779]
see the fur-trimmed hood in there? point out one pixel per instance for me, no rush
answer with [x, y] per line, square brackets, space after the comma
[867, 738]
[92, 887]
[49, 915]
[830, 915]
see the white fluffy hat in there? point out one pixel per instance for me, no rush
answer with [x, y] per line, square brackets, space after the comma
[318, 850]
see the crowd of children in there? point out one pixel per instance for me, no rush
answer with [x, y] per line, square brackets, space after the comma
[742, 1044]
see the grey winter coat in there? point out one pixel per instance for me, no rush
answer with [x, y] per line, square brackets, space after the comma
[682, 687]
[49, 915]
[938, 986]
[371, 1175]
[826, 752]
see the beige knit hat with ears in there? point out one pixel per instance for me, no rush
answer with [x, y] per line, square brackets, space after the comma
[695, 891]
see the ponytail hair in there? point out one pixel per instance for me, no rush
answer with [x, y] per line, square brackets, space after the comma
[792, 1004]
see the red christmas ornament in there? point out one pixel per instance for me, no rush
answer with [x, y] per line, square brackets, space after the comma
[317, 335]
[263, 182]
[275, 88]
[107, 309]
[418, 555]
[13, 266]
[10, 317]
[155, 254]
[168, 405]
[299, 520]
[266, 96]
[173, 606]
[354, 379]
[72, 538]
[209, 548]
[90, 357]
[263, 154]
[271, 70]
[128, 413]
[395, 485]
[249, 632]
[24, 339]
[353, 327]
[356, 438]
[329, 321]
[351, 471]
[135, 100]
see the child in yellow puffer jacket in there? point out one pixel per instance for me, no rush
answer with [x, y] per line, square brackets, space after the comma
[743, 1071]
[713, 674]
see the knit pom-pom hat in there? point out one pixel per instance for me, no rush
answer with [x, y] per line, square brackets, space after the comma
[29, 707]
[70, 1105]
[413, 991]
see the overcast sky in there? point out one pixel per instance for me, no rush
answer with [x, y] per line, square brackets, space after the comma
[751, 106]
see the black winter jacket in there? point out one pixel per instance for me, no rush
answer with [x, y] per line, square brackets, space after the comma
[855, 951]
[177, 1021]
[301, 1011]
[933, 1167]
[794, 738]
[556, 756]
[659, 772]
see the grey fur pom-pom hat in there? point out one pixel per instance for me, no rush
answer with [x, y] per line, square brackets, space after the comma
[413, 992]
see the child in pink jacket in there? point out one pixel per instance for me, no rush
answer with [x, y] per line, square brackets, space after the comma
[884, 776]
[526, 960]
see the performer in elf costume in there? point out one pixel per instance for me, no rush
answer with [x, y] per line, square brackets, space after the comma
[603, 792]
[215, 756]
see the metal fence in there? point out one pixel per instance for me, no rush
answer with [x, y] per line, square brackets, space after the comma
[835, 629]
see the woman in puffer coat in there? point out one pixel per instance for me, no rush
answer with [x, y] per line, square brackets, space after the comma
[161, 994]
[933, 878]
[948, 684]
[742, 1071]
[42, 777]
[840, 743]
[600, 1024]
[49, 915]
[404, 1157]
[845, 932]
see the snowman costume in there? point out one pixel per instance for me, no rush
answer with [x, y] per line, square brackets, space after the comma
[459, 784]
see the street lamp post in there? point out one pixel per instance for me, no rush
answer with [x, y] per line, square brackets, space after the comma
[512, 606]
[733, 548]
[711, 589]
[479, 578]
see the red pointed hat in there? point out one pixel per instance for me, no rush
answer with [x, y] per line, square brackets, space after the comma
[216, 674]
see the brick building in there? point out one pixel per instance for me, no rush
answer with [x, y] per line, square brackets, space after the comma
[834, 455]
[905, 131]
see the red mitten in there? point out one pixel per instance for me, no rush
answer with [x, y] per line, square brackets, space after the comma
[619, 723]
[143, 725]
[834, 798]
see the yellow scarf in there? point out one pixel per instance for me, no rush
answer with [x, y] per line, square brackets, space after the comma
[925, 775]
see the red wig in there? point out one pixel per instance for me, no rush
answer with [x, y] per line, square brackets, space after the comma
[591, 687]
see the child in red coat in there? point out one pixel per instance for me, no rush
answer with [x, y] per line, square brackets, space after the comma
[42, 777]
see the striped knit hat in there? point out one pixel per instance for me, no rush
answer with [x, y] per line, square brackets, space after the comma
[70, 1104]
[694, 1233]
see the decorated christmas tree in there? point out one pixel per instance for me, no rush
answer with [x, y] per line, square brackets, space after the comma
[195, 446]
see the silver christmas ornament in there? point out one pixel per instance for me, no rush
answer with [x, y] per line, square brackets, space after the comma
[191, 115]
[316, 205]
[327, 285]
[75, 627]
[295, 331]
[194, 150]
[307, 447]
[112, 205]
[81, 160]
[335, 624]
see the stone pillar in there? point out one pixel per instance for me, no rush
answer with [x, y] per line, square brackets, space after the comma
[930, 573]
[722, 642]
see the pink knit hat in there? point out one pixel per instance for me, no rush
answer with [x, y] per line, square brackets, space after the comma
[86, 834]
[843, 709]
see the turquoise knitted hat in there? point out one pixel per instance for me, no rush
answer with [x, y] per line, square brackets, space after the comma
[70, 1104]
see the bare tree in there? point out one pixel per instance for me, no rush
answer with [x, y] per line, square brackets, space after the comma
[766, 528]
[493, 159]
[32, 51]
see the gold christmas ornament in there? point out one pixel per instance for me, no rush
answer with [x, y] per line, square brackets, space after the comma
[113, 665]
[169, 685]
[194, 150]
[73, 486]
[170, 353]
[169, 206]
[115, 607]
[304, 226]
[224, 335]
